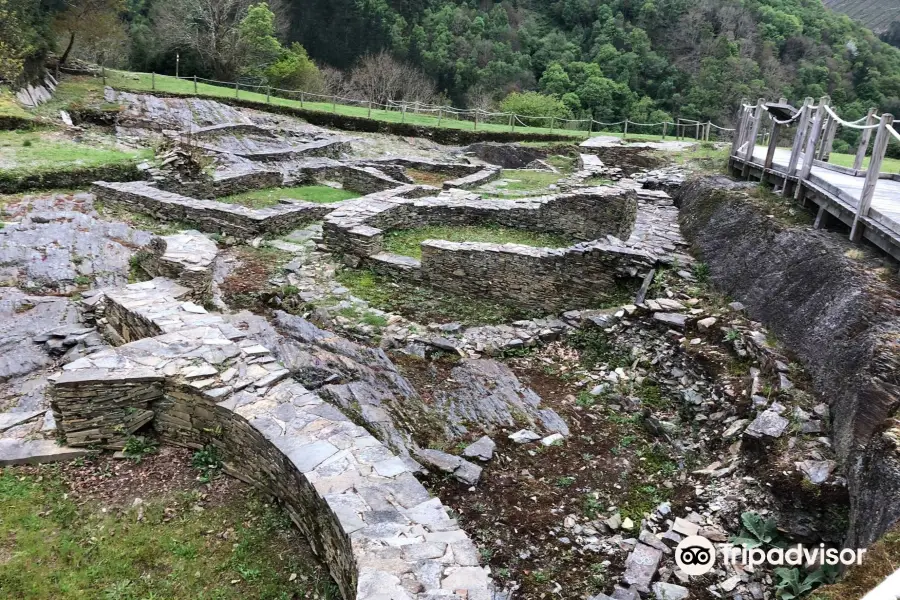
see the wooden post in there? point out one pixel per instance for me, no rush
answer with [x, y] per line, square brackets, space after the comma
[773, 142]
[828, 144]
[708, 129]
[753, 132]
[665, 127]
[826, 125]
[440, 115]
[552, 123]
[237, 90]
[809, 154]
[590, 125]
[475, 126]
[334, 105]
[301, 98]
[370, 111]
[697, 132]
[864, 141]
[153, 81]
[625, 132]
[268, 94]
[103, 72]
[512, 126]
[868, 190]
[195, 85]
[798, 138]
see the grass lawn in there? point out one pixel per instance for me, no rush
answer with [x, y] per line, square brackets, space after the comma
[37, 150]
[320, 194]
[144, 82]
[407, 241]
[424, 304]
[524, 180]
[10, 107]
[888, 165]
[183, 547]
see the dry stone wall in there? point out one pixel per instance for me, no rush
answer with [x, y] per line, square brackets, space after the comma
[202, 383]
[209, 215]
[544, 280]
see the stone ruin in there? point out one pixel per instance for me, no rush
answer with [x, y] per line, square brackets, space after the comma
[322, 423]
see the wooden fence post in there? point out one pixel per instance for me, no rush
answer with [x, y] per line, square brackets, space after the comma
[697, 131]
[590, 125]
[512, 125]
[625, 132]
[754, 131]
[301, 98]
[773, 142]
[868, 190]
[268, 94]
[828, 142]
[195, 85]
[552, 123]
[440, 115]
[370, 110]
[237, 90]
[153, 81]
[665, 126]
[864, 141]
[798, 139]
[809, 154]
[475, 125]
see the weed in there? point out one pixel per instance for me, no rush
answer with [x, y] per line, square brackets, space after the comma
[586, 400]
[564, 482]
[701, 272]
[207, 462]
[138, 446]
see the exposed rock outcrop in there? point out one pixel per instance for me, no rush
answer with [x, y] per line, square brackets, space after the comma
[839, 314]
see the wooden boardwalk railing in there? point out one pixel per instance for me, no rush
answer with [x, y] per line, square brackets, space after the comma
[866, 200]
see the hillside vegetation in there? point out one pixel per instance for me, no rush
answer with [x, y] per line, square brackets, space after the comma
[648, 60]
[874, 14]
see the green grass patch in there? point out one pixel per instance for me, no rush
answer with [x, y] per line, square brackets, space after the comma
[320, 194]
[408, 241]
[888, 165]
[55, 548]
[36, 151]
[423, 304]
[170, 85]
[10, 107]
[524, 180]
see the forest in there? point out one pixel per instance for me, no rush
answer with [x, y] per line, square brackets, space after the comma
[648, 60]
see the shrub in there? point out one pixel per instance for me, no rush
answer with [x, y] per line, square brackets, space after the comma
[533, 104]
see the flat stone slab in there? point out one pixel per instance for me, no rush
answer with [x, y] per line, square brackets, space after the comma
[32, 452]
[769, 424]
[11, 419]
[641, 566]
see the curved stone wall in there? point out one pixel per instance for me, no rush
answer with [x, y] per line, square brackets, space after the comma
[202, 383]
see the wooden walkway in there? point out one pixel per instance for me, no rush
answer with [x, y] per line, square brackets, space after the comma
[837, 192]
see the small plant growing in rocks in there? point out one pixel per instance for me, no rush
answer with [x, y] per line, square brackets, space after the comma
[137, 447]
[757, 532]
[207, 462]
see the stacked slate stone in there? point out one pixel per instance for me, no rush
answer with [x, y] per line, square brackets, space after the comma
[209, 215]
[186, 258]
[204, 384]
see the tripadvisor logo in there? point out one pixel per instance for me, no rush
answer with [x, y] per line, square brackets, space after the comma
[696, 555]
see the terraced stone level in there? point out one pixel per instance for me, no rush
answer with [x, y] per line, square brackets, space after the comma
[201, 382]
